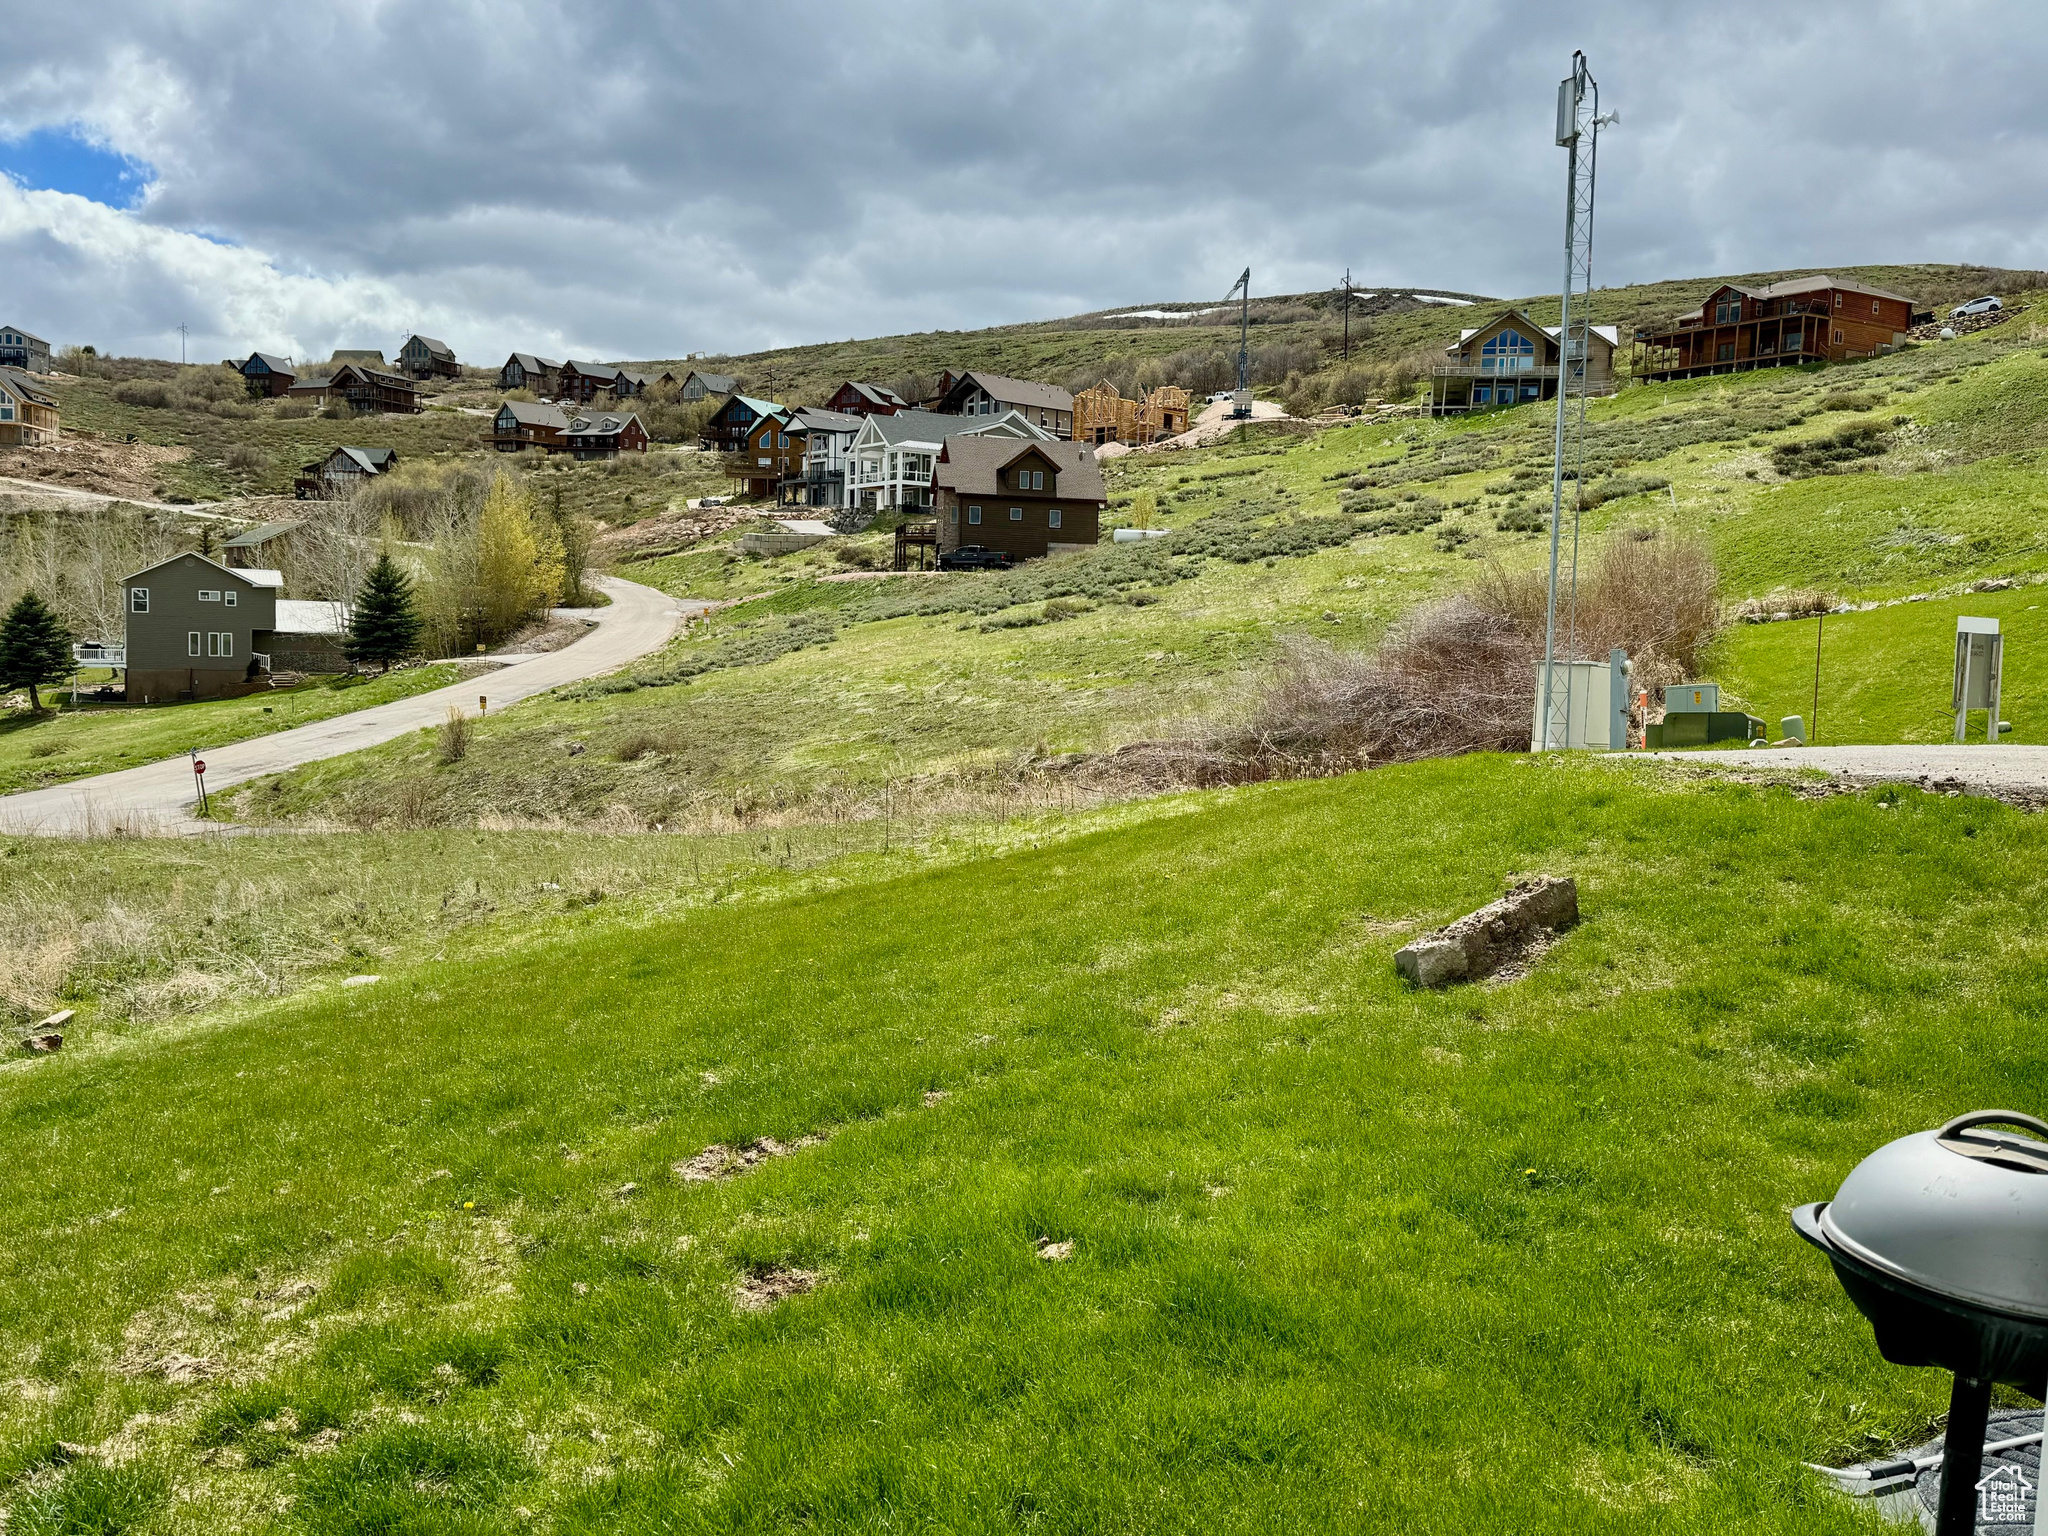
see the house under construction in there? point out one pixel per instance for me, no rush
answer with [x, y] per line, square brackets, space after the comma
[1103, 415]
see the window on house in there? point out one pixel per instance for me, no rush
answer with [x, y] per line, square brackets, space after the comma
[1509, 352]
[1727, 312]
[1016, 514]
[1725, 352]
[1052, 517]
[1838, 301]
[1838, 336]
[974, 514]
[6, 410]
[1873, 306]
[138, 599]
[209, 597]
[229, 597]
[192, 642]
[1792, 341]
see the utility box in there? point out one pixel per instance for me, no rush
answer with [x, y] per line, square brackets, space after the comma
[1692, 699]
[1588, 706]
[1980, 664]
[1240, 404]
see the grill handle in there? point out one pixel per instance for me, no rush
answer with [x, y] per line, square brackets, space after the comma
[1977, 1117]
[2010, 1152]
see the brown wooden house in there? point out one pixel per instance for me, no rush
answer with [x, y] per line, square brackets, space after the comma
[425, 358]
[604, 434]
[584, 382]
[854, 398]
[364, 390]
[1023, 496]
[1819, 319]
[342, 471]
[523, 370]
[731, 427]
[1511, 360]
[770, 454]
[267, 374]
[522, 424]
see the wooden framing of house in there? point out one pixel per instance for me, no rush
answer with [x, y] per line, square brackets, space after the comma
[1104, 415]
[1817, 319]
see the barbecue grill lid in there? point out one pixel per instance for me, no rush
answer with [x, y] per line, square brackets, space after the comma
[1961, 1211]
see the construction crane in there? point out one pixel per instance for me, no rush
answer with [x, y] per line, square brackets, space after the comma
[1241, 401]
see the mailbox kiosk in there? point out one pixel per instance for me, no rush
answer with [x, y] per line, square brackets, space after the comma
[1980, 656]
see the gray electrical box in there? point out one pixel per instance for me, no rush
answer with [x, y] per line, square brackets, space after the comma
[1980, 661]
[1692, 699]
[1568, 109]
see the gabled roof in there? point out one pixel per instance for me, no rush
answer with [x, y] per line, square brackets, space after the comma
[435, 348]
[532, 363]
[262, 533]
[271, 361]
[1024, 392]
[359, 370]
[256, 578]
[972, 465]
[1819, 280]
[608, 424]
[358, 355]
[716, 383]
[758, 406]
[534, 413]
[936, 427]
[371, 461]
[1610, 334]
[810, 418]
[592, 370]
[25, 335]
[19, 384]
[874, 393]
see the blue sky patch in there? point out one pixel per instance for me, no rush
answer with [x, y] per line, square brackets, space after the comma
[58, 160]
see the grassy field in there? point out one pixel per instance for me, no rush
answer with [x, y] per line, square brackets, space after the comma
[413, 1256]
[66, 743]
[1887, 675]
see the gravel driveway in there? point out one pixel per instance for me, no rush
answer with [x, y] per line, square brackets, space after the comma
[2006, 767]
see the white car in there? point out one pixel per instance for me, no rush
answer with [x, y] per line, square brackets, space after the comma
[1982, 306]
[1219, 396]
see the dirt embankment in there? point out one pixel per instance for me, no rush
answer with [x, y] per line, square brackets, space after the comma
[672, 531]
[94, 465]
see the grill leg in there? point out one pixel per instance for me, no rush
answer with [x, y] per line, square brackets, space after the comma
[1962, 1459]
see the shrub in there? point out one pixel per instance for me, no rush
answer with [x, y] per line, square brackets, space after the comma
[452, 744]
[153, 393]
[245, 456]
[1832, 453]
[1850, 400]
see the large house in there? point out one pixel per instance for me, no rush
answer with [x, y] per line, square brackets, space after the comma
[425, 358]
[827, 442]
[697, 385]
[363, 389]
[28, 411]
[1511, 360]
[853, 398]
[990, 394]
[523, 370]
[522, 424]
[1819, 319]
[604, 435]
[267, 374]
[731, 426]
[583, 382]
[1026, 498]
[771, 454]
[196, 629]
[891, 458]
[342, 471]
[19, 349]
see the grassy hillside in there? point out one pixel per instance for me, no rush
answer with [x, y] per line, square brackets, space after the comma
[812, 698]
[415, 1256]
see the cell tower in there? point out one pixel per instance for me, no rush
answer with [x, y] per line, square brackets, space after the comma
[1241, 401]
[1578, 131]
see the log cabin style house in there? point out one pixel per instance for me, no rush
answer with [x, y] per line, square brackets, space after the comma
[28, 411]
[731, 426]
[342, 471]
[522, 424]
[1818, 319]
[1026, 498]
[425, 358]
[584, 382]
[523, 370]
[365, 390]
[771, 454]
[1511, 360]
[267, 375]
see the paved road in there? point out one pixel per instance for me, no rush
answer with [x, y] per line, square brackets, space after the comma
[158, 798]
[2004, 767]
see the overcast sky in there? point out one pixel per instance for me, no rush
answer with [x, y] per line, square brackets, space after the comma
[635, 181]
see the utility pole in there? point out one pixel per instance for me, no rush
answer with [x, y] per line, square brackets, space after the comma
[181, 343]
[1241, 402]
[1347, 316]
[1578, 130]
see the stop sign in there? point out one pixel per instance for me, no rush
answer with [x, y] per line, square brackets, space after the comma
[199, 765]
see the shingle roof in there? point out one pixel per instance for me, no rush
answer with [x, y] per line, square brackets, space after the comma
[262, 533]
[25, 335]
[273, 362]
[593, 370]
[372, 461]
[939, 426]
[18, 383]
[809, 418]
[533, 363]
[971, 465]
[437, 348]
[1039, 397]
[535, 414]
[610, 424]
[357, 355]
[716, 383]
[1793, 285]
[757, 405]
[876, 393]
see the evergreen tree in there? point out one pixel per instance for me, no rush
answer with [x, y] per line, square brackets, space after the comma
[35, 650]
[385, 627]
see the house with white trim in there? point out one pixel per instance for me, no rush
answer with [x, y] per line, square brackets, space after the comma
[891, 461]
[1511, 360]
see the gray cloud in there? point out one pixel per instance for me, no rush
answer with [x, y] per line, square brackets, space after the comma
[645, 181]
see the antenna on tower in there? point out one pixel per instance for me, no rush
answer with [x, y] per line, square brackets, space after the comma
[1578, 130]
[1241, 401]
[181, 343]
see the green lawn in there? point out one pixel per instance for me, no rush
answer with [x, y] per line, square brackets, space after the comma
[1344, 1256]
[1888, 675]
[66, 743]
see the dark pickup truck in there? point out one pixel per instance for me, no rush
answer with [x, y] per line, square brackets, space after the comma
[976, 557]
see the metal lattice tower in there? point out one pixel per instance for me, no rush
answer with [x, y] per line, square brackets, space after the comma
[1578, 131]
[1244, 342]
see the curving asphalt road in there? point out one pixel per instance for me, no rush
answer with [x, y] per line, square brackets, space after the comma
[158, 797]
